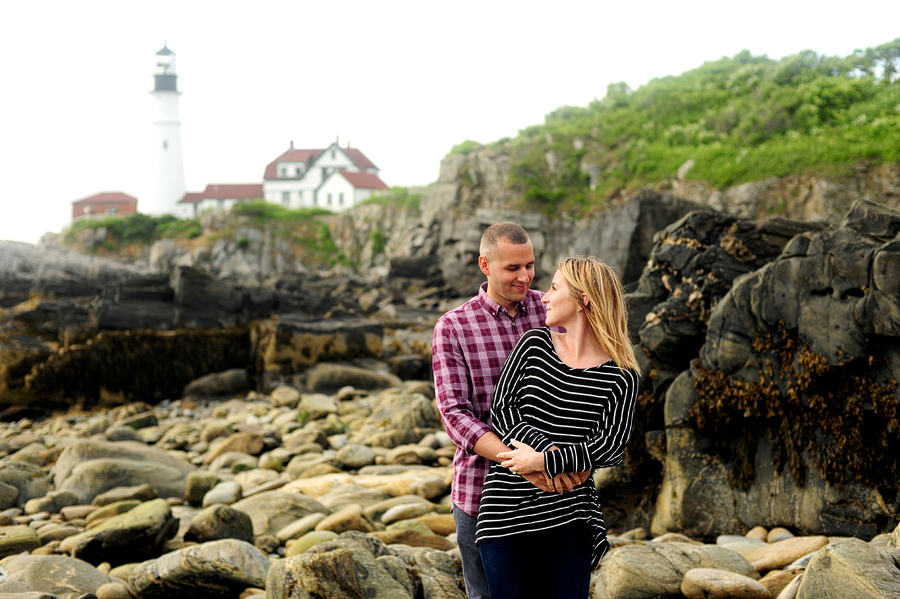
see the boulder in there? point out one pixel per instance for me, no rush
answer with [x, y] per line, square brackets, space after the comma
[218, 384]
[55, 574]
[658, 569]
[220, 522]
[850, 568]
[217, 569]
[273, 510]
[706, 583]
[89, 468]
[136, 535]
[21, 482]
[330, 378]
[350, 517]
[437, 573]
[397, 418]
[777, 556]
[16, 539]
[339, 568]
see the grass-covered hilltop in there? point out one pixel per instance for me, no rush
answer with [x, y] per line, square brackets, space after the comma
[739, 119]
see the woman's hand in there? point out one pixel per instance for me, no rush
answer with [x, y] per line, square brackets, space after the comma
[523, 459]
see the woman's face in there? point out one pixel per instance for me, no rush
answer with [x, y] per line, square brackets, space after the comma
[561, 309]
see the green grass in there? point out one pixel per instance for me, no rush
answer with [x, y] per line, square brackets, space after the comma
[740, 119]
[395, 197]
[261, 211]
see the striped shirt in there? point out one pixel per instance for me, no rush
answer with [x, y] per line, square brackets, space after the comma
[469, 347]
[586, 412]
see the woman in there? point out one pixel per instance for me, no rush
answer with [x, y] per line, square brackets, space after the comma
[565, 403]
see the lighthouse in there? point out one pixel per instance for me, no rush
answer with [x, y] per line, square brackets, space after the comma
[167, 184]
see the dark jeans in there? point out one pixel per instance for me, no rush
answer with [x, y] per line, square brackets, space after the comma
[473, 571]
[543, 565]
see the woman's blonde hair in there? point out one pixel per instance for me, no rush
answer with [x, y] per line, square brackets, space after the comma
[606, 312]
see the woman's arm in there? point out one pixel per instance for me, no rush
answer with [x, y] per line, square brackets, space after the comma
[506, 415]
[607, 447]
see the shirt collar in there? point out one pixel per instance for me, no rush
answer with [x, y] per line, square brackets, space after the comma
[493, 307]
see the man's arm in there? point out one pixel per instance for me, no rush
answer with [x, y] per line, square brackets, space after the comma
[451, 385]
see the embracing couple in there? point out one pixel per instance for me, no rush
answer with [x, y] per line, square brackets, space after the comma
[537, 390]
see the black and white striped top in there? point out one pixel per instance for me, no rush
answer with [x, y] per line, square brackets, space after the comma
[586, 412]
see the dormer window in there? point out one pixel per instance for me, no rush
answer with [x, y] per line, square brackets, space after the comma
[299, 170]
[284, 171]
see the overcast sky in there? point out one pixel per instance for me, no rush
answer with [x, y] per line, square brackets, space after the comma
[401, 81]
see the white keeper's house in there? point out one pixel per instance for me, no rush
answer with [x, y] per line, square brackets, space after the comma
[335, 178]
[218, 197]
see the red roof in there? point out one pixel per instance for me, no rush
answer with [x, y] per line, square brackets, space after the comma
[358, 158]
[292, 155]
[225, 191]
[233, 191]
[364, 180]
[107, 197]
[191, 198]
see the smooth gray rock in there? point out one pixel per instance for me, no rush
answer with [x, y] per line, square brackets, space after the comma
[339, 568]
[850, 568]
[273, 510]
[30, 481]
[143, 492]
[437, 573]
[217, 569]
[657, 569]
[397, 418]
[226, 492]
[17, 539]
[88, 468]
[197, 485]
[220, 522]
[56, 574]
[136, 535]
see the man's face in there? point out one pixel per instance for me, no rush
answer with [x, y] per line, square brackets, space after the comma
[509, 273]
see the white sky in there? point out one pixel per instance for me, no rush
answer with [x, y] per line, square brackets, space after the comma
[402, 81]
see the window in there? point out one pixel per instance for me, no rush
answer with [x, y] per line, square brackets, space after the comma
[285, 197]
[332, 154]
[284, 171]
[299, 170]
[315, 199]
[324, 172]
[165, 145]
[341, 198]
[329, 199]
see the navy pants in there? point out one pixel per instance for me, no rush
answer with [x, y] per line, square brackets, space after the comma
[548, 564]
[473, 571]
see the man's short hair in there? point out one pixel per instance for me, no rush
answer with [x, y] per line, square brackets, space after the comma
[507, 230]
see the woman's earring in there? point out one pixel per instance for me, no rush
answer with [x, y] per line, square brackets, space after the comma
[578, 309]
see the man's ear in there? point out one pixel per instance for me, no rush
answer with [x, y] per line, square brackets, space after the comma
[484, 265]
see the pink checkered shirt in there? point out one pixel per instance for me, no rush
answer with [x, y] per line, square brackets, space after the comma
[469, 348]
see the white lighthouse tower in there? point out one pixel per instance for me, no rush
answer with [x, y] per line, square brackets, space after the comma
[167, 184]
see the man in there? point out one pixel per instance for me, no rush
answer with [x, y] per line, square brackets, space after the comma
[470, 345]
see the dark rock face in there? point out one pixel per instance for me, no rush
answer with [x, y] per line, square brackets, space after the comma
[790, 414]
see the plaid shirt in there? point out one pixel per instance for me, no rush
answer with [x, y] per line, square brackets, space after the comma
[469, 348]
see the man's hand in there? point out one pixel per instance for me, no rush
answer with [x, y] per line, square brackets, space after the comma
[559, 484]
[538, 480]
[566, 481]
